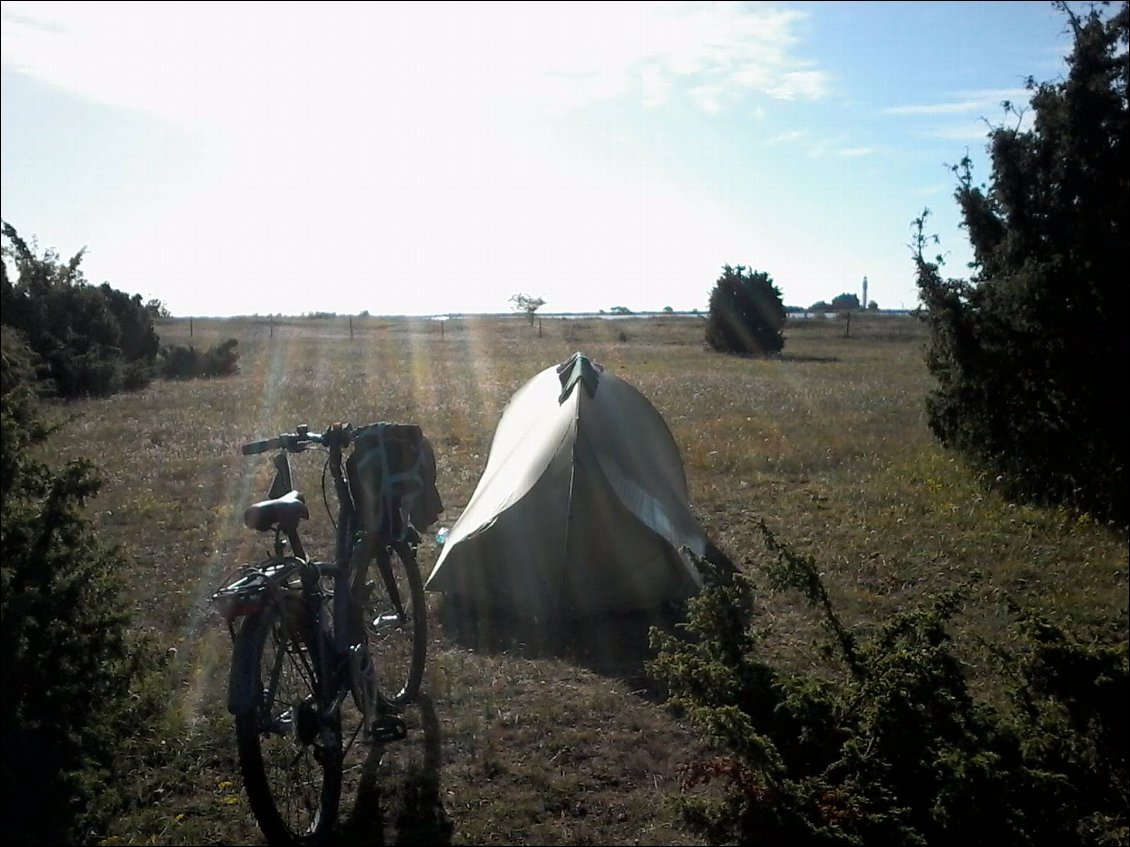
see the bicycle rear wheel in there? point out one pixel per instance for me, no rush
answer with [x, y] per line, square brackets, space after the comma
[289, 756]
[396, 624]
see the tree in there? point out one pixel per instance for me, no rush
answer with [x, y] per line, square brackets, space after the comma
[157, 310]
[845, 303]
[747, 314]
[138, 337]
[526, 303]
[92, 339]
[1023, 351]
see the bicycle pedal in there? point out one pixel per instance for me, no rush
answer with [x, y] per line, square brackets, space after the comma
[388, 728]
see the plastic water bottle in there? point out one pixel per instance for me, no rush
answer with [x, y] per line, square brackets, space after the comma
[441, 535]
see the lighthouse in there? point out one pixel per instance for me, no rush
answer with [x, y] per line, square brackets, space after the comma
[865, 293]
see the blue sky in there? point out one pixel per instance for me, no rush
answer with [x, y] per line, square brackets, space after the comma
[413, 158]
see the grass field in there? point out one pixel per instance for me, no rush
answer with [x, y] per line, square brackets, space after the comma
[514, 743]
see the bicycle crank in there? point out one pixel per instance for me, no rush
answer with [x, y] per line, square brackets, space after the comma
[387, 728]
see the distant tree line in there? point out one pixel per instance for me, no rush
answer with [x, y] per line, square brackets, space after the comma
[90, 340]
[845, 302]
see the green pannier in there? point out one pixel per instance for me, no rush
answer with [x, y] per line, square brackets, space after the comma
[392, 477]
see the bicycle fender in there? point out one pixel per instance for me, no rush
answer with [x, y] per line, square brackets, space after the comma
[245, 654]
[241, 681]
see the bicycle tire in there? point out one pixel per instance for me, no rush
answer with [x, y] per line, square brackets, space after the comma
[291, 766]
[396, 624]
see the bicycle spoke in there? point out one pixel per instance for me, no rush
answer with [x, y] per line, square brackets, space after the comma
[289, 757]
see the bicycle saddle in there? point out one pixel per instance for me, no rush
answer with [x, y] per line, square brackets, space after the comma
[283, 512]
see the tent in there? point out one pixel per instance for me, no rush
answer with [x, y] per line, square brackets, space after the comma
[582, 507]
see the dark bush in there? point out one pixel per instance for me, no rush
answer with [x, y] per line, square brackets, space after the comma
[747, 314]
[179, 362]
[222, 359]
[77, 691]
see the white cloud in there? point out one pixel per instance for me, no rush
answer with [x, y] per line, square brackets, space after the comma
[370, 145]
[982, 108]
[965, 102]
[789, 137]
[936, 108]
[937, 189]
[799, 85]
[213, 64]
[815, 147]
[967, 131]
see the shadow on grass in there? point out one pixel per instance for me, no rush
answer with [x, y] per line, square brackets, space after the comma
[397, 800]
[613, 644]
[789, 357]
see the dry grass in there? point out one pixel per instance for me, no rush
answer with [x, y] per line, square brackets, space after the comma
[516, 742]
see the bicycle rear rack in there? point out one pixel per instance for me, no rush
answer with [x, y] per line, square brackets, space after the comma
[245, 591]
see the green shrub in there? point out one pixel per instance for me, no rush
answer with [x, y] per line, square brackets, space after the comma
[179, 362]
[76, 689]
[222, 359]
[747, 314]
[896, 750]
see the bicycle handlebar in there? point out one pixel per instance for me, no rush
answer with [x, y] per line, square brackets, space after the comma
[300, 439]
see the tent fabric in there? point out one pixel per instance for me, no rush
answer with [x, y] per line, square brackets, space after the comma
[582, 507]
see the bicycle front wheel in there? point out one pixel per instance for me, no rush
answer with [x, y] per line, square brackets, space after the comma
[289, 754]
[396, 624]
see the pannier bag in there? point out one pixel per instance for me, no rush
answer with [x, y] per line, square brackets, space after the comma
[392, 476]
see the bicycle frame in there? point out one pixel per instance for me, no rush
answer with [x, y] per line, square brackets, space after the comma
[258, 586]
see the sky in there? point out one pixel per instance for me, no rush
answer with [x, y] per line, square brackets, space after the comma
[243, 158]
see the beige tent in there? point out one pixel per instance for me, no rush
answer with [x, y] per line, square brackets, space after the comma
[582, 506]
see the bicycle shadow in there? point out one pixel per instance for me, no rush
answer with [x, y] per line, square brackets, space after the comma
[397, 800]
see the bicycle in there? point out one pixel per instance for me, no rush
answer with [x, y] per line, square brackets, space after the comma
[315, 637]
